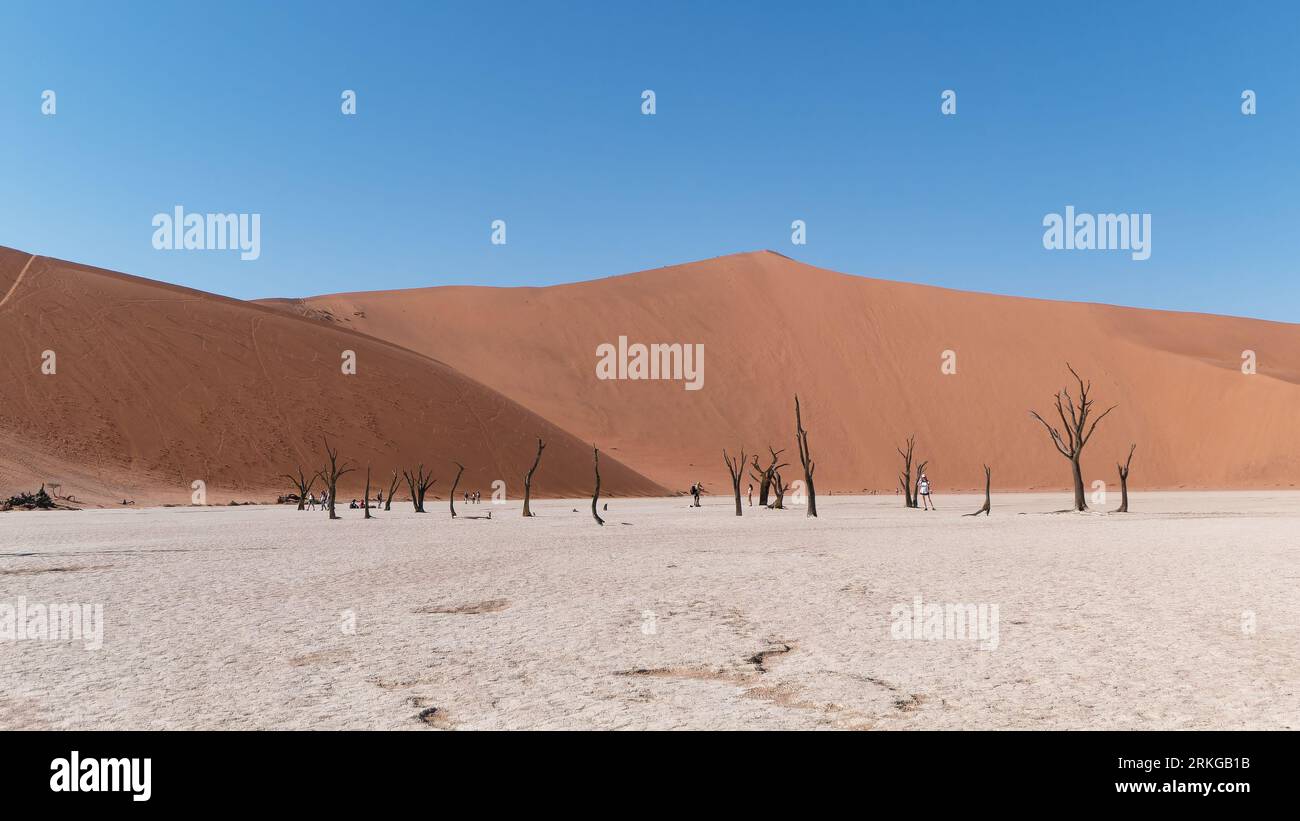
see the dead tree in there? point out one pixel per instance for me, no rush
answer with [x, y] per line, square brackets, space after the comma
[1123, 480]
[766, 475]
[304, 485]
[365, 500]
[595, 457]
[452, 497]
[392, 488]
[779, 488]
[737, 470]
[905, 478]
[988, 479]
[528, 477]
[419, 484]
[331, 473]
[805, 459]
[1076, 429]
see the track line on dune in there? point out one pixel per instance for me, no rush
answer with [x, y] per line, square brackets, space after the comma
[275, 402]
[487, 437]
[21, 274]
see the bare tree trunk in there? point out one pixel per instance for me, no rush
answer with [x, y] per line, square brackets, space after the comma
[304, 485]
[452, 497]
[410, 486]
[905, 478]
[1074, 432]
[419, 484]
[766, 475]
[737, 470]
[779, 488]
[1123, 480]
[595, 456]
[331, 474]
[757, 474]
[528, 478]
[805, 458]
[366, 498]
[988, 502]
[392, 488]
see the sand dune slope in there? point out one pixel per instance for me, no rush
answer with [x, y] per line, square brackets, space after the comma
[865, 356]
[157, 386]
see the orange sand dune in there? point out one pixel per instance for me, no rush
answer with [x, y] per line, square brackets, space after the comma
[157, 386]
[865, 357]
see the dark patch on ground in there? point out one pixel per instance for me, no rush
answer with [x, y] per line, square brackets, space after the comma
[35, 571]
[470, 608]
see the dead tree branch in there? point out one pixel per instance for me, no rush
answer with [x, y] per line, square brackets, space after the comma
[528, 478]
[805, 459]
[595, 456]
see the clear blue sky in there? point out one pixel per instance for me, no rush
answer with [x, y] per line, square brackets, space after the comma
[767, 112]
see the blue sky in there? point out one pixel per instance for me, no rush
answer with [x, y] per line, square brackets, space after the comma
[766, 113]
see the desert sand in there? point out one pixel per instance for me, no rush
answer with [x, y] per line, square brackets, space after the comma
[1180, 615]
[864, 355]
[157, 386]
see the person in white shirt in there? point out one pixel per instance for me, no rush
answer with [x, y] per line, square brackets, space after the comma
[923, 492]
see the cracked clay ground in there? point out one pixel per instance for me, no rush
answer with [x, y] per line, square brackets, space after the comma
[1181, 615]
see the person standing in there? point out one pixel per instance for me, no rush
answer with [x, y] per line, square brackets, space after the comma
[923, 491]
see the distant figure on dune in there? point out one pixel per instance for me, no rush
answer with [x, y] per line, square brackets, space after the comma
[751, 494]
[923, 491]
[354, 505]
[696, 490]
[379, 498]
